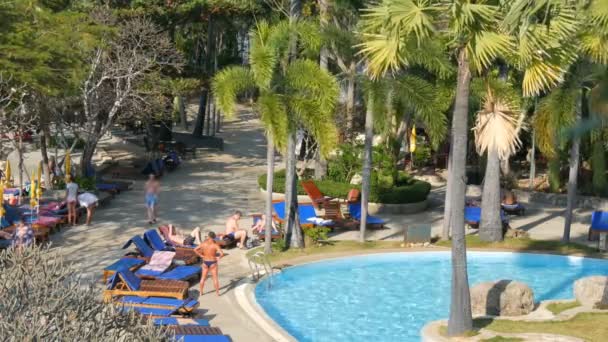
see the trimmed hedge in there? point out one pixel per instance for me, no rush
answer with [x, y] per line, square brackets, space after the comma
[409, 190]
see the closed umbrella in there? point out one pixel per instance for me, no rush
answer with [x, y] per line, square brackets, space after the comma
[1, 201]
[68, 164]
[7, 173]
[33, 188]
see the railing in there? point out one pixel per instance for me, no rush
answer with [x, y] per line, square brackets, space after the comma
[260, 265]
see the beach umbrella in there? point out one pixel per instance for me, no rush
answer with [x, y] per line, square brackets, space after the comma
[1, 200]
[68, 164]
[7, 173]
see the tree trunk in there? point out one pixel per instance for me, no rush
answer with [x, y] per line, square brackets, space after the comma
[598, 165]
[183, 117]
[293, 236]
[460, 319]
[505, 167]
[350, 99]
[553, 172]
[44, 133]
[87, 156]
[533, 161]
[200, 117]
[367, 165]
[269, 183]
[208, 111]
[490, 227]
[320, 165]
[573, 174]
[218, 120]
[447, 210]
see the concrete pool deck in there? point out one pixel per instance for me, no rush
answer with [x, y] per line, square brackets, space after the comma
[204, 191]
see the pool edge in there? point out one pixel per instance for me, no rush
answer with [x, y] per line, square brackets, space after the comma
[245, 297]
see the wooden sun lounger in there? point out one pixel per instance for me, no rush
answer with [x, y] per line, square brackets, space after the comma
[41, 233]
[193, 330]
[125, 283]
[319, 201]
[182, 307]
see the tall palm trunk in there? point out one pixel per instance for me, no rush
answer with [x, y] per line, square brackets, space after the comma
[490, 227]
[447, 210]
[533, 161]
[183, 117]
[269, 184]
[320, 162]
[199, 124]
[573, 174]
[44, 134]
[367, 165]
[293, 236]
[350, 98]
[460, 319]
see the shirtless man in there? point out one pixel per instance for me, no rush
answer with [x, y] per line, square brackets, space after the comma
[208, 252]
[233, 230]
[152, 188]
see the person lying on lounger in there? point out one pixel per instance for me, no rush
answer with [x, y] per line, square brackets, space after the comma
[509, 198]
[260, 226]
[209, 251]
[233, 230]
[179, 238]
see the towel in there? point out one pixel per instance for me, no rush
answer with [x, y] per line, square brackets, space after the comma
[160, 261]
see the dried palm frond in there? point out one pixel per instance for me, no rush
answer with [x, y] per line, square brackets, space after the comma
[497, 126]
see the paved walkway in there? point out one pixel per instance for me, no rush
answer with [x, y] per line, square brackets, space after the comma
[201, 192]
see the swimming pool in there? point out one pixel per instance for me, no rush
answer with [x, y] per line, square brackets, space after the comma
[389, 297]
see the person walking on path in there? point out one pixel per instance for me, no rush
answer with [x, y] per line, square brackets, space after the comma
[208, 251]
[71, 194]
[152, 188]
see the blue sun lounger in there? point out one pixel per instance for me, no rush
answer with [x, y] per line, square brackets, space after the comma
[188, 322]
[178, 306]
[152, 312]
[123, 263]
[305, 212]
[472, 216]
[178, 273]
[355, 212]
[155, 241]
[141, 246]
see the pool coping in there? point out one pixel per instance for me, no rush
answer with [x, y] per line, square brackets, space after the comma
[245, 290]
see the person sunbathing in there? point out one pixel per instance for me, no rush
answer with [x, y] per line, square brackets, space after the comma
[260, 226]
[22, 237]
[179, 238]
[509, 198]
[233, 230]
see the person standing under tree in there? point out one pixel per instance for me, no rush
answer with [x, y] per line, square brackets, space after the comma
[71, 194]
[208, 251]
[152, 188]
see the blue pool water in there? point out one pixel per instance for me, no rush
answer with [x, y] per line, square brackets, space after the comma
[389, 297]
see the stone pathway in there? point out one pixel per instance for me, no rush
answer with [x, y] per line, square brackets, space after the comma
[201, 192]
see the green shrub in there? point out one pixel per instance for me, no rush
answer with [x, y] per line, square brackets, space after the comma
[408, 190]
[345, 164]
[422, 156]
[85, 183]
[317, 234]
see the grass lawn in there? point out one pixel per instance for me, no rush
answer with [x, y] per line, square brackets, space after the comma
[591, 327]
[526, 244]
[503, 339]
[558, 308]
[329, 247]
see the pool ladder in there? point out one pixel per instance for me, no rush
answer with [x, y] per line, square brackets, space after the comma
[258, 263]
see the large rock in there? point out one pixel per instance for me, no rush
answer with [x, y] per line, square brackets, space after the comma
[591, 291]
[502, 298]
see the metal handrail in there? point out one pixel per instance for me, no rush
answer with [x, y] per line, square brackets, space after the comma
[258, 262]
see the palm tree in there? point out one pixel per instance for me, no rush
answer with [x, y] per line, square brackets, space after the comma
[496, 131]
[394, 27]
[573, 49]
[299, 89]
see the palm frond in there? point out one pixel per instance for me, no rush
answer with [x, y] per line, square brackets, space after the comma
[555, 112]
[273, 115]
[262, 57]
[497, 125]
[228, 84]
[485, 46]
[312, 98]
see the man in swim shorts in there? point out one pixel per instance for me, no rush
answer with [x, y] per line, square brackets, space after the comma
[233, 230]
[151, 189]
[208, 251]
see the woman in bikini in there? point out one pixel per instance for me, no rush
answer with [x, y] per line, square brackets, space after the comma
[208, 251]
